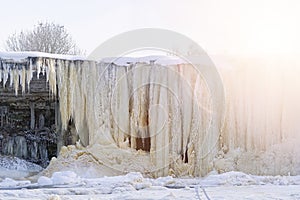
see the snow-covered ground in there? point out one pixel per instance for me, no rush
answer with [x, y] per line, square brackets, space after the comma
[230, 185]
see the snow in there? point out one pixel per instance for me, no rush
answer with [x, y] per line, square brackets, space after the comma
[157, 59]
[60, 178]
[13, 167]
[11, 183]
[163, 60]
[43, 181]
[22, 56]
[123, 61]
[231, 185]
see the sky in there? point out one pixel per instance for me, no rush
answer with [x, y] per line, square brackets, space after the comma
[219, 26]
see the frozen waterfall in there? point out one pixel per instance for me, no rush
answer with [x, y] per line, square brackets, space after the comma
[163, 113]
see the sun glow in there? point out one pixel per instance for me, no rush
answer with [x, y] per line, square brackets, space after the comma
[272, 29]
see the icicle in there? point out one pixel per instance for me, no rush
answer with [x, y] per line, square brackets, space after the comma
[58, 70]
[64, 94]
[51, 76]
[46, 67]
[20, 76]
[29, 74]
[85, 118]
[1, 71]
[11, 75]
[120, 112]
[16, 80]
[23, 79]
[79, 99]
[71, 90]
[38, 68]
[5, 74]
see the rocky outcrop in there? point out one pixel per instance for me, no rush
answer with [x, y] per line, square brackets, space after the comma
[30, 127]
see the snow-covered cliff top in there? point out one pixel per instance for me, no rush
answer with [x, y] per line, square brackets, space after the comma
[157, 59]
[21, 56]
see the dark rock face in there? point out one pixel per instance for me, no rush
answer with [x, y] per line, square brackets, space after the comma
[36, 146]
[28, 122]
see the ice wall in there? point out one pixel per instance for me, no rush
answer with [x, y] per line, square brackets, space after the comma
[163, 110]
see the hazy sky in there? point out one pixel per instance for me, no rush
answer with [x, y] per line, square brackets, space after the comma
[219, 26]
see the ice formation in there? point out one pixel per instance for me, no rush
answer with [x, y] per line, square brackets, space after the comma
[141, 106]
[157, 119]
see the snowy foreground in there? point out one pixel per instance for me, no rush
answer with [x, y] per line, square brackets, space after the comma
[231, 185]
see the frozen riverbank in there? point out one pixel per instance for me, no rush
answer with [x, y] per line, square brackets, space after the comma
[231, 185]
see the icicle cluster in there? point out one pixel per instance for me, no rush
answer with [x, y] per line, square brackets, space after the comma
[21, 73]
[16, 73]
[163, 110]
[167, 111]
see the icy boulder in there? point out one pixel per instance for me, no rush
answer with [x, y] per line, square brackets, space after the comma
[59, 178]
